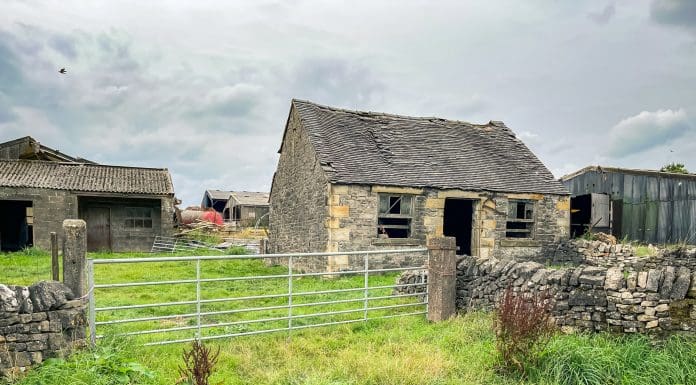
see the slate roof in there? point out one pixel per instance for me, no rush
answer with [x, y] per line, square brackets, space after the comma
[83, 177]
[250, 198]
[356, 147]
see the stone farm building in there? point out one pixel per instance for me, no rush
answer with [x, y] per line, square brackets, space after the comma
[124, 207]
[350, 180]
[246, 208]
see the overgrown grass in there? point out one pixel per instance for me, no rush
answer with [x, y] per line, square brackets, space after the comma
[406, 350]
[601, 359]
[111, 363]
[643, 251]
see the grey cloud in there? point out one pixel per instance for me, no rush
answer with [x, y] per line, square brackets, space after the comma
[647, 130]
[339, 82]
[604, 16]
[64, 45]
[674, 12]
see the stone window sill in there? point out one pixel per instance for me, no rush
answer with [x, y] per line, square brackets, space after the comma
[519, 243]
[396, 242]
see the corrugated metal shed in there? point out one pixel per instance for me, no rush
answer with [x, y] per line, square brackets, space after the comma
[654, 207]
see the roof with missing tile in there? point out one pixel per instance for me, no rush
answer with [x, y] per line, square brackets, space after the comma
[85, 177]
[356, 147]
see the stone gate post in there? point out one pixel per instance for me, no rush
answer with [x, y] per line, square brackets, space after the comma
[442, 278]
[74, 255]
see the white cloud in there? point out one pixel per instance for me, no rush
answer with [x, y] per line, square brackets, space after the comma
[641, 132]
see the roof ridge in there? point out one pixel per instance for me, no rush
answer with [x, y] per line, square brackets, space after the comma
[626, 170]
[495, 123]
[75, 164]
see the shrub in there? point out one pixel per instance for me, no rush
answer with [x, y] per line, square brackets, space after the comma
[523, 326]
[199, 363]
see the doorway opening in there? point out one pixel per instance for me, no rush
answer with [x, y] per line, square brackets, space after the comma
[580, 214]
[16, 225]
[458, 220]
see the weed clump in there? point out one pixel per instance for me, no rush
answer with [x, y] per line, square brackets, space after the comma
[199, 364]
[523, 327]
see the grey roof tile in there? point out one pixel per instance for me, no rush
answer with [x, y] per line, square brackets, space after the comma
[85, 177]
[356, 147]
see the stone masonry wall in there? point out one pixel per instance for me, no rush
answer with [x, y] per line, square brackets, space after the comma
[352, 221]
[604, 254]
[37, 322]
[298, 201]
[622, 299]
[50, 208]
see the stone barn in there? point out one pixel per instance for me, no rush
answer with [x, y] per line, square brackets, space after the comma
[351, 180]
[124, 207]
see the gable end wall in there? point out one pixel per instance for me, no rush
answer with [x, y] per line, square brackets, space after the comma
[298, 202]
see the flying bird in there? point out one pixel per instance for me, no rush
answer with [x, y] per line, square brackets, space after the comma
[62, 70]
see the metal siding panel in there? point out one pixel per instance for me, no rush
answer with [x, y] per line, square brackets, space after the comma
[652, 189]
[691, 229]
[692, 190]
[628, 189]
[679, 190]
[651, 214]
[617, 186]
[664, 222]
[666, 189]
[680, 220]
[627, 221]
[637, 221]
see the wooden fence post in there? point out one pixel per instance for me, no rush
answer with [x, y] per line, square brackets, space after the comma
[54, 256]
[442, 278]
[74, 255]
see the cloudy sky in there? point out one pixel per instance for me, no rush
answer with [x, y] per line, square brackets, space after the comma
[203, 88]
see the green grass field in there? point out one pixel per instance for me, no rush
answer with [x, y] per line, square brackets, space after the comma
[406, 350]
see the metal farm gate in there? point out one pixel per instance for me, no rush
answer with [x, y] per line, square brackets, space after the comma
[226, 296]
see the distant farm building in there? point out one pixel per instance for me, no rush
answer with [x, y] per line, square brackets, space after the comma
[641, 205]
[124, 207]
[29, 149]
[215, 199]
[352, 180]
[247, 208]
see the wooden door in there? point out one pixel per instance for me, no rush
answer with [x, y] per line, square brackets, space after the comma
[98, 229]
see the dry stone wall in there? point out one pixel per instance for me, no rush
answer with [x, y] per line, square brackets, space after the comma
[660, 299]
[37, 322]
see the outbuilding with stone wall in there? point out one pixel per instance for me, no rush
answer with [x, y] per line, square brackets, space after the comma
[125, 207]
[352, 180]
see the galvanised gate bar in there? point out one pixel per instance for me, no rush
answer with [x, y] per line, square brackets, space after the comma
[195, 322]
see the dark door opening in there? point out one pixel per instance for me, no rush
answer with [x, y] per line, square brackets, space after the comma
[458, 220]
[616, 217]
[580, 214]
[16, 225]
[98, 228]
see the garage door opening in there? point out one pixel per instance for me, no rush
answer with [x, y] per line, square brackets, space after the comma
[458, 221]
[16, 225]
